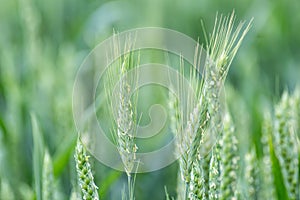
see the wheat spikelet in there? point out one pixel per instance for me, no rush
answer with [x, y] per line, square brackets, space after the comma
[197, 185]
[195, 129]
[174, 113]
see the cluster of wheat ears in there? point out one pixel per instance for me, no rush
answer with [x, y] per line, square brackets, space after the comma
[203, 173]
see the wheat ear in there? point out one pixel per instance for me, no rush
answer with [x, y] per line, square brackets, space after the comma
[197, 185]
[84, 173]
[176, 129]
[48, 179]
[222, 47]
[286, 144]
[190, 133]
[229, 161]
[296, 109]
[251, 175]
[268, 187]
[296, 106]
[125, 106]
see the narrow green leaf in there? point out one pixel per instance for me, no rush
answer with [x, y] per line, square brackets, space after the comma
[107, 182]
[62, 155]
[48, 181]
[38, 152]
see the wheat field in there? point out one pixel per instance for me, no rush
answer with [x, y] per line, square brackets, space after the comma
[237, 138]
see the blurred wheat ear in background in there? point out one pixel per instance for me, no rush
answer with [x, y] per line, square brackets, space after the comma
[256, 130]
[286, 145]
[48, 179]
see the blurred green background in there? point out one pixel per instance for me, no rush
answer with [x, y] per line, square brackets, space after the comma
[43, 43]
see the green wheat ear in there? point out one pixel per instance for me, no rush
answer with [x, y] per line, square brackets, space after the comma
[48, 180]
[296, 106]
[191, 132]
[214, 175]
[229, 161]
[286, 147]
[124, 102]
[251, 175]
[267, 187]
[84, 173]
[295, 101]
[197, 185]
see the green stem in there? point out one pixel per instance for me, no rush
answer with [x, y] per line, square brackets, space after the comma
[187, 186]
[130, 183]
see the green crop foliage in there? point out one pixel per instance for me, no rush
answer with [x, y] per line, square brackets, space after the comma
[255, 117]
